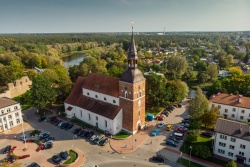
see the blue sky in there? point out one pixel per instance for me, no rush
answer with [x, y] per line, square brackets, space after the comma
[63, 16]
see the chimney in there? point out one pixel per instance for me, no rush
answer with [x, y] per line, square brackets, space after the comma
[218, 93]
[239, 100]
[231, 94]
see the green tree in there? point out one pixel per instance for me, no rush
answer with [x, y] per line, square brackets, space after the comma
[202, 77]
[42, 92]
[200, 66]
[193, 135]
[202, 151]
[198, 105]
[15, 70]
[231, 164]
[212, 71]
[176, 67]
[209, 117]
[235, 70]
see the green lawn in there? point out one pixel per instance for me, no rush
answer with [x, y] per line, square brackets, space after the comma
[185, 162]
[153, 110]
[121, 135]
[73, 155]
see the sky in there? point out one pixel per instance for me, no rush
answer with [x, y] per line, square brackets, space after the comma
[81, 16]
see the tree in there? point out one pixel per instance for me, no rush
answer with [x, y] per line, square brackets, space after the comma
[8, 164]
[202, 151]
[202, 77]
[230, 58]
[193, 135]
[235, 70]
[198, 105]
[15, 70]
[223, 63]
[176, 66]
[176, 91]
[42, 92]
[209, 117]
[231, 164]
[200, 66]
[212, 71]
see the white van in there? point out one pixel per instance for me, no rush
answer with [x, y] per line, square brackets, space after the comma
[178, 135]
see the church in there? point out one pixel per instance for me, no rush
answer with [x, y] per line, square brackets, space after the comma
[109, 103]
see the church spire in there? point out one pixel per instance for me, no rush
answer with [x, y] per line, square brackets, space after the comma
[132, 52]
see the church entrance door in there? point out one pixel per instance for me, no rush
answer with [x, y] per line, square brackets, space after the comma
[139, 126]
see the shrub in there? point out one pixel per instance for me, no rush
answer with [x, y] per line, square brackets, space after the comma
[231, 164]
[193, 135]
[202, 151]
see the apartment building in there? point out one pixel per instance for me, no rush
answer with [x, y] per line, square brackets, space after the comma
[236, 107]
[10, 114]
[232, 140]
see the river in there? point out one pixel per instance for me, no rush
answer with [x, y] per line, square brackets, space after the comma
[72, 60]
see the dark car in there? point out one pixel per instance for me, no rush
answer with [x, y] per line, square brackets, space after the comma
[180, 130]
[57, 159]
[47, 146]
[44, 136]
[49, 139]
[6, 149]
[34, 164]
[42, 119]
[158, 158]
[80, 133]
[52, 119]
[206, 134]
[179, 105]
[90, 135]
[104, 142]
[64, 155]
[9, 160]
[77, 130]
[171, 143]
[57, 122]
[173, 138]
[69, 126]
[86, 134]
[64, 125]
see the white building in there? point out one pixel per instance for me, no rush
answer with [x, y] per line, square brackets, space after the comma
[223, 73]
[10, 114]
[232, 140]
[235, 107]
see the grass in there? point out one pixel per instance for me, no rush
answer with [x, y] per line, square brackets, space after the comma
[203, 139]
[121, 135]
[73, 155]
[153, 110]
[185, 162]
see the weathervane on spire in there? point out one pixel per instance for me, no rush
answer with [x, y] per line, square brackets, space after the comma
[132, 23]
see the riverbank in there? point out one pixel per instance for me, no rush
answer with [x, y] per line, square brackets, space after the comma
[79, 52]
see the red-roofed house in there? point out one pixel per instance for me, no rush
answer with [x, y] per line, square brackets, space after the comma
[235, 107]
[109, 103]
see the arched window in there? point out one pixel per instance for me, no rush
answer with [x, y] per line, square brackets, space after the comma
[140, 93]
[96, 96]
[126, 94]
[114, 101]
[105, 98]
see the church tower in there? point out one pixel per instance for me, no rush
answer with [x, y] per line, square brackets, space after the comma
[132, 90]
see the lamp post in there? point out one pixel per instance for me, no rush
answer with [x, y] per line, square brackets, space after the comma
[24, 137]
[190, 155]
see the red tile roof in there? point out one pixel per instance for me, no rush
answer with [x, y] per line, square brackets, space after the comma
[76, 92]
[5, 102]
[237, 129]
[231, 100]
[101, 108]
[102, 84]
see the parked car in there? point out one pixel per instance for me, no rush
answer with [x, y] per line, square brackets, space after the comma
[57, 159]
[169, 127]
[52, 118]
[47, 119]
[9, 160]
[173, 138]
[64, 155]
[155, 132]
[42, 119]
[6, 149]
[77, 130]
[50, 139]
[81, 133]
[104, 141]
[179, 105]
[61, 123]
[34, 164]
[70, 126]
[93, 137]
[57, 122]
[63, 126]
[90, 135]
[165, 116]
[44, 135]
[158, 158]
[47, 146]
[171, 143]
[86, 134]
[180, 130]
[98, 139]
[206, 134]
[178, 135]
[161, 124]
[183, 127]
[159, 118]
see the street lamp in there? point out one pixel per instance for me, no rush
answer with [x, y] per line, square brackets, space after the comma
[190, 155]
[24, 137]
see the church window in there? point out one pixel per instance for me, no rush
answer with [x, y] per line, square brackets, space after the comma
[81, 113]
[126, 88]
[88, 93]
[126, 94]
[106, 123]
[139, 113]
[96, 118]
[140, 93]
[105, 98]
[137, 95]
[96, 96]
[89, 117]
[139, 87]
[114, 101]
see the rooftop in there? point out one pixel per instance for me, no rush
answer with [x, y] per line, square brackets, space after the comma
[237, 129]
[231, 100]
[5, 102]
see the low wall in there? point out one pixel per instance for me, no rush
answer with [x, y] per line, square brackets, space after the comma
[18, 87]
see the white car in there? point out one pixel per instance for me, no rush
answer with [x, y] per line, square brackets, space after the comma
[161, 124]
[93, 137]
